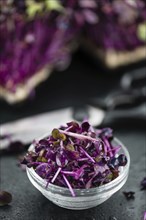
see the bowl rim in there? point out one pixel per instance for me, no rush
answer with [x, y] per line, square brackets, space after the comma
[106, 186]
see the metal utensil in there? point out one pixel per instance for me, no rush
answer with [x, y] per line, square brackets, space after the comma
[129, 92]
[30, 128]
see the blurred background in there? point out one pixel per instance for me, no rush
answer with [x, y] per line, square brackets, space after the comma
[71, 48]
[59, 53]
[64, 60]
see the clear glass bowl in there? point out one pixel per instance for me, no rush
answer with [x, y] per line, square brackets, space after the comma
[85, 198]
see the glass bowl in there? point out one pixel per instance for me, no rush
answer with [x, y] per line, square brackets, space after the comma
[85, 198]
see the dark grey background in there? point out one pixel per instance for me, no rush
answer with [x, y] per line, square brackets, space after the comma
[81, 81]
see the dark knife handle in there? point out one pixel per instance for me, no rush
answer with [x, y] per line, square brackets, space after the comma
[138, 112]
[125, 99]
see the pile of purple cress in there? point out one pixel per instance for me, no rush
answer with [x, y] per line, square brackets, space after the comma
[33, 35]
[76, 156]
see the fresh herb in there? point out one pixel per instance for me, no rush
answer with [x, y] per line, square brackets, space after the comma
[141, 32]
[14, 147]
[143, 184]
[33, 7]
[33, 31]
[144, 216]
[5, 198]
[112, 18]
[76, 156]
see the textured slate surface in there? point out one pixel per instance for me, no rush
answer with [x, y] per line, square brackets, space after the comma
[28, 203]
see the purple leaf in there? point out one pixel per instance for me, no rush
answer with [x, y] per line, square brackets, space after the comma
[88, 3]
[143, 184]
[5, 198]
[90, 16]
